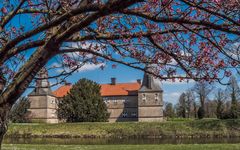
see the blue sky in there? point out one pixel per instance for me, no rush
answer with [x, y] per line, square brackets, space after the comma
[123, 74]
[172, 90]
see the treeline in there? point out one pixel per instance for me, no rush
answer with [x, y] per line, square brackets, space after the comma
[204, 100]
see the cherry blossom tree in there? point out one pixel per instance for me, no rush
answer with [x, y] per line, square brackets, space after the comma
[180, 39]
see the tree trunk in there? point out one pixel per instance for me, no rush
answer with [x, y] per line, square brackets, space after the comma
[4, 111]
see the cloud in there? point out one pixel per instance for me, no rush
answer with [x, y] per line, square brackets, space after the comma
[90, 67]
[177, 82]
[86, 67]
[171, 97]
[55, 65]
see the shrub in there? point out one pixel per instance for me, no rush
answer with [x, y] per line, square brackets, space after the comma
[201, 113]
[18, 113]
[83, 104]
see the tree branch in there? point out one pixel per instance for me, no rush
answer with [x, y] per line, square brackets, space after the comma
[222, 27]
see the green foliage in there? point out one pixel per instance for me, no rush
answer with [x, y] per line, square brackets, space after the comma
[220, 110]
[234, 108]
[83, 104]
[220, 104]
[201, 113]
[233, 91]
[169, 111]
[184, 128]
[19, 110]
[181, 108]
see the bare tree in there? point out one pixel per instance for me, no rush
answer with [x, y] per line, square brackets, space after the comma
[233, 92]
[210, 107]
[220, 98]
[182, 106]
[195, 108]
[202, 90]
[189, 103]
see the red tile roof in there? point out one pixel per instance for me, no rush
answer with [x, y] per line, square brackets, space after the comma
[62, 91]
[119, 89]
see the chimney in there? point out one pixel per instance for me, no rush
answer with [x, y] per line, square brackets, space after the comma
[67, 83]
[139, 81]
[113, 81]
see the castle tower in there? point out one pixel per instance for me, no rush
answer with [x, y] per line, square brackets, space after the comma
[43, 104]
[150, 99]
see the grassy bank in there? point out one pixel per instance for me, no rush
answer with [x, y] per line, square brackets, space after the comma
[125, 147]
[179, 129]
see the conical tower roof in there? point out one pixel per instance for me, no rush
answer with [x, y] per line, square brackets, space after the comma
[42, 84]
[149, 82]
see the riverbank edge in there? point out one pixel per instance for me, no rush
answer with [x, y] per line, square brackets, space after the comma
[171, 129]
[132, 147]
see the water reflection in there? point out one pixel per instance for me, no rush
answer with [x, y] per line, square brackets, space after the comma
[99, 141]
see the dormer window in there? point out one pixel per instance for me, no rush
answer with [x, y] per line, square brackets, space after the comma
[144, 97]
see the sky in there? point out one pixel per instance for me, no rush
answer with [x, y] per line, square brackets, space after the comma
[123, 74]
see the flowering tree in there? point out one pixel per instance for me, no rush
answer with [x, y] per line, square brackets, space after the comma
[184, 39]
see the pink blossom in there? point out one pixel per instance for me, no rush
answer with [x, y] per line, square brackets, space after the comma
[4, 10]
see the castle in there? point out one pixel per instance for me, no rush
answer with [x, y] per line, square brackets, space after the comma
[125, 101]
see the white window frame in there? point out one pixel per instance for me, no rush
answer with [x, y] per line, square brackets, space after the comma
[124, 114]
[144, 98]
[134, 114]
[156, 97]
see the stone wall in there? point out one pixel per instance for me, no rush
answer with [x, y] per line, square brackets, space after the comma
[43, 109]
[122, 108]
[150, 106]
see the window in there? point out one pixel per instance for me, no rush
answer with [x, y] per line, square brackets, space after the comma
[144, 97]
[134, 114]
[124, 114]
[105, 99]
[156, 97]
[52, 101]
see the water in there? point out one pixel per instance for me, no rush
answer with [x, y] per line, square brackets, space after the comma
[100, 141]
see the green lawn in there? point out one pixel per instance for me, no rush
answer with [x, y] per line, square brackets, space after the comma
[125, 147]
[174, 128]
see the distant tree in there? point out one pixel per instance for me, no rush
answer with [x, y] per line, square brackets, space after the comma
[233, 92]
[202, 90]
[201, 112]
[181, 110]
[220, 97]
[195, 109]
[169, 110]
[83, 103]
[189, 103]
[210, 108]
[18, 113]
